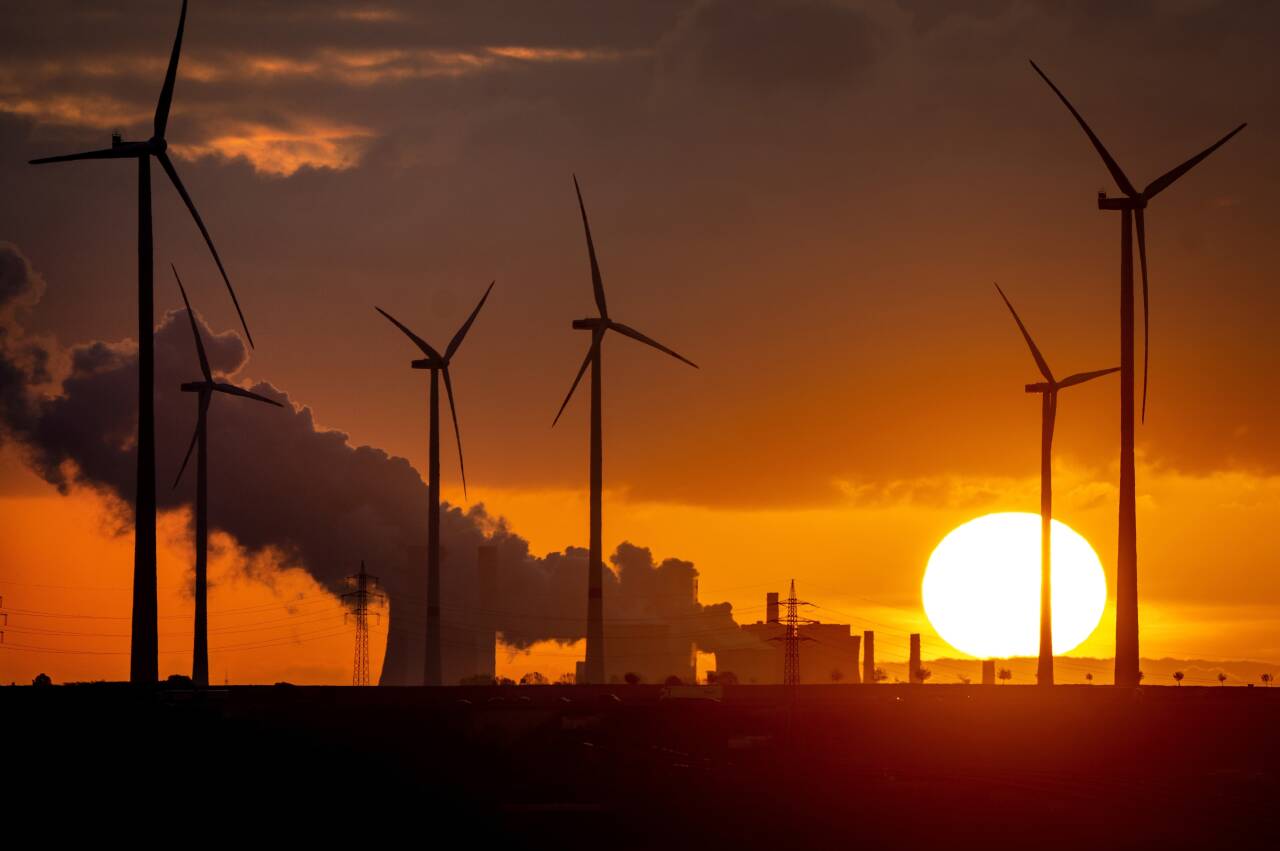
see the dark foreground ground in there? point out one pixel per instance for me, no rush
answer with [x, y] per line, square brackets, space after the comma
[626, 767]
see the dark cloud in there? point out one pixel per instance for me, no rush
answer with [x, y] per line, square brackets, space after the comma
[807, 197]
[20, 286]
[760, 47]
[280, 483]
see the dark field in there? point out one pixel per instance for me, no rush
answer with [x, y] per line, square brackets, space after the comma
[564, 766]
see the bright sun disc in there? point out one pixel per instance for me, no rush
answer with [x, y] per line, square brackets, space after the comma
[982, 587]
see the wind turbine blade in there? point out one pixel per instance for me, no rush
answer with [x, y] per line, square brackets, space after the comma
[1035, 351]
[1163, 182]
[466, 326]
[636, 335]
[595, 343]
[418, 341]
[167, 164]
[1112, 166]
[170, 77]
[195, 330]
[1146, 305]
[457, 432]
[195, 435]
[104, 154]
[231, 389]
[596, 282]
[1082, 377]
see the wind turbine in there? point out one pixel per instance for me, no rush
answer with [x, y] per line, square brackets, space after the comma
[598, 326]
[433, 673]
[206, 387]
[1132, 207]
[143, 663]
[1048, 390]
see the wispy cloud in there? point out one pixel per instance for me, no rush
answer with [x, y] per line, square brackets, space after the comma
[283, 151]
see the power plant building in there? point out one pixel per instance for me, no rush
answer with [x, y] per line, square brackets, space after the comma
[829, 652]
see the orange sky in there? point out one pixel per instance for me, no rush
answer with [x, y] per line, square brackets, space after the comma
[815, 219]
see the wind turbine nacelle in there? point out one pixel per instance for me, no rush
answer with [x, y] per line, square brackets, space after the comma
[1120, 203]
[195, 387]
[590, 324]
[1039, 387]
[427, 363]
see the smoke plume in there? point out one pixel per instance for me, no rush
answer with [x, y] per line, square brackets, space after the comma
[282, 484]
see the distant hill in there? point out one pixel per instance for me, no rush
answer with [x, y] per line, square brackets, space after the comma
[1072, 669]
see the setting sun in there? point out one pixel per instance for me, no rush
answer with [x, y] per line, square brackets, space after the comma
[982, 587]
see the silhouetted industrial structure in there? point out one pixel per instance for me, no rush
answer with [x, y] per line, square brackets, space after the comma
[593, 669]
[1131, 207]
[913, 661]
[144, 638]
[988, 672]
[206, 387]
[826, 652]
[433, 666]
[362, 594]
[869, 657]
[1048, 390]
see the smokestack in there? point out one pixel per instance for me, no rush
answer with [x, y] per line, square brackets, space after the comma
[869, 657]
[988, 672]
[771, 607]
[913, 667]
[856, 640]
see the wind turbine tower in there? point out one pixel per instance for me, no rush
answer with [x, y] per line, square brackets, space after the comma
[593, 667]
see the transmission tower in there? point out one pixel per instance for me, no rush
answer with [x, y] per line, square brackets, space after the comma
[364, 591]
[791, 637]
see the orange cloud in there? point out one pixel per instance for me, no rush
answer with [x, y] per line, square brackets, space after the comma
[282, 152]
[69, 110]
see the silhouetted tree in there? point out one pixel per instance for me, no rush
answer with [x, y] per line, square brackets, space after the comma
[506, 681]
[1266, 680]
[1088, 678]
[963, 679]
[673, 680]
[1141, 676]
[1004, 674]
[836, 675]
[923, 674]
[1222, 679]
[42, 680]
[1177, 677]
[631, 678]
[879, 675]
[567, 679]
[533, 678]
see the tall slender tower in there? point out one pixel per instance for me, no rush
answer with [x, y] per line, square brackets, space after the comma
[364, 591]
[869, 657]
[913, 665]
[791, 638]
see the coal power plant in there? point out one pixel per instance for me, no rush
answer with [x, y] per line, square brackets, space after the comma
[498, 598]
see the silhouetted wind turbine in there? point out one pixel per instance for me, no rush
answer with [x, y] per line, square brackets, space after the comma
[433, 673]
[206, 387]
[1131, 206]
[598, 325]
[143, 664]
[1048, 390]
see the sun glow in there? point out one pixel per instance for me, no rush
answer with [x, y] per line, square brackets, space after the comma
[982, 587]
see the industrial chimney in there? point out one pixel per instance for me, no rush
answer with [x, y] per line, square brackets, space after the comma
[988, 672]
[869, 657]
[913, 667]
[771, 607]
